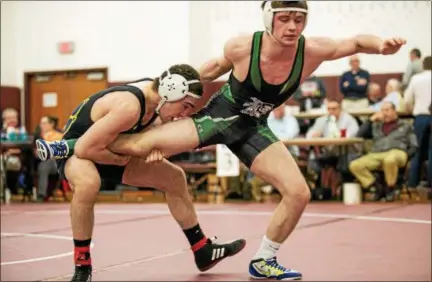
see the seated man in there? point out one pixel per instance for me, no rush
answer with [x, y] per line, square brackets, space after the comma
[394, 142]
[284, 126]
[392, 94]
[130, 109]
[375, 95]
[325, 159]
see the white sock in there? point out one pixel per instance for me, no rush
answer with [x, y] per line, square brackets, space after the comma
[267, 249]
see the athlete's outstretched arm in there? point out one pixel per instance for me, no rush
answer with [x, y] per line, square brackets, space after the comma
[331, 49]
[93, 144]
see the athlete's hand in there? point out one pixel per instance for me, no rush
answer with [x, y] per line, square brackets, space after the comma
[154, 156]
[392, 45]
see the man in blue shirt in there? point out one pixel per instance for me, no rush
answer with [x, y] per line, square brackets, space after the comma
[283, 125]
[353, 85]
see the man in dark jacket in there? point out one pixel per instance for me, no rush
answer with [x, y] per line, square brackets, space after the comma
[394, 142]
[354, 85]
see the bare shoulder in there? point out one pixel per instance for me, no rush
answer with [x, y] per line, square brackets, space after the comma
[124, 104]
[238, 46]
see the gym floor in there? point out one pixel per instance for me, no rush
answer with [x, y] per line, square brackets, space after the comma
[142, 242]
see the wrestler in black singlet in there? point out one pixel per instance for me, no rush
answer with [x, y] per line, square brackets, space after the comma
[80, 121]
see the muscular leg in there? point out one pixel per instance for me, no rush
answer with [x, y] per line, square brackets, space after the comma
[85, 182]
[276, 166]
[170, 138]
[273, 163]
[171, 179]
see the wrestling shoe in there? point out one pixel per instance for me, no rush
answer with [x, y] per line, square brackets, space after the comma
[82, 274]
[52, 150]
[208, 254]
[271, 269]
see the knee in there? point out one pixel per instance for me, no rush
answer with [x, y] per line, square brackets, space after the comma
[177, 184]
[298, 190]
[86, 190]
[389, 161]
[354, 166]
[42, 168]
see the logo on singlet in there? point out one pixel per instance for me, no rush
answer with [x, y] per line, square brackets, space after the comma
[257, 108]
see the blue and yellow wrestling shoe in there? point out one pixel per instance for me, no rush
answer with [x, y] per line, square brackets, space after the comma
[55, 150]
[271, 269]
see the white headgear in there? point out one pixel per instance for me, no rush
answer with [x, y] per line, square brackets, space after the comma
[174, 87]
[268, 14]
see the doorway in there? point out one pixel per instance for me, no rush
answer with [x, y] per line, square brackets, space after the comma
[57, 93]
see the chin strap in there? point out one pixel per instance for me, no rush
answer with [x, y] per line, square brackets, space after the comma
[164, 99]
[274, 38]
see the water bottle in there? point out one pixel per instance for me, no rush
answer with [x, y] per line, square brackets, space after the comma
[308, 105]
[11, 134]
[333, 128]
[23, 133]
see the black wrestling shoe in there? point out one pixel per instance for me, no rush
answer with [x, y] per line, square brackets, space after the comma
[82, 274]
[211, 254]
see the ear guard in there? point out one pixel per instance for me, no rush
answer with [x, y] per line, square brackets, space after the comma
[268, 14]
[174, 87]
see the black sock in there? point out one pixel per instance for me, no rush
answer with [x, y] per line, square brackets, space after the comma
[195, 237]
[82, 253]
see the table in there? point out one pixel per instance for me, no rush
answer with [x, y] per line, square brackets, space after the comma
[359, 113]
[323, 141]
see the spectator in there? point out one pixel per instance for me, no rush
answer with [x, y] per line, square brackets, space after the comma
[394, 142]
[353, 85]
[311, 93]
[393, 95]
[344, 121]
[418, 97]
[48, 132]
[414, 67]
[375, 95]
[13, 161]
[324, 160]
[283, 125]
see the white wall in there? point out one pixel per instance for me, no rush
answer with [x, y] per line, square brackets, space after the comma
[8, 44]
[133, 39]
[408, 19]
[141, 38]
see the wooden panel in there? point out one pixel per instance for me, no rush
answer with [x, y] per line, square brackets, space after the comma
[81, 87]
[10, 97]
[71, 86]
[40, 85]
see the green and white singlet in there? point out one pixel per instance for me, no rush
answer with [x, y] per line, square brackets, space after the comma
[237, 114]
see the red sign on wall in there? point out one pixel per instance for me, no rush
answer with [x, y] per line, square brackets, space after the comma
[66, 47]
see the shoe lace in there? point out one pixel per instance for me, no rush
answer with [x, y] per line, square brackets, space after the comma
[59, 148]
[273, 263]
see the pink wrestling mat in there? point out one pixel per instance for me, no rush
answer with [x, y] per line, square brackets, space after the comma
[142, 242]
